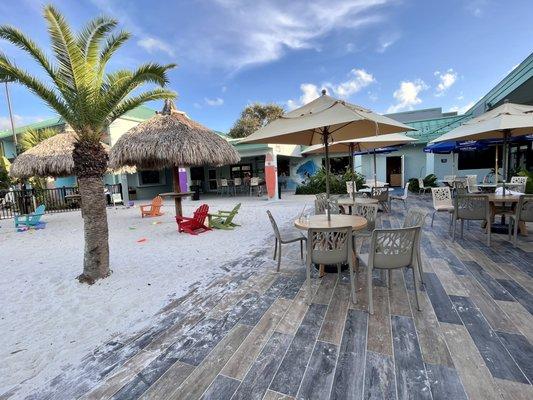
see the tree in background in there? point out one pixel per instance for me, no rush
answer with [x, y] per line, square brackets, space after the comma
[31, 138]
[5, 180]
[253, 117]
[88, 98]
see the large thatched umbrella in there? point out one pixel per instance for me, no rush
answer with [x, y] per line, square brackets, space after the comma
[51, 157]
[171, 139]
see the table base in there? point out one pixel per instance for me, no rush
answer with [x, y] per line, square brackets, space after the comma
[331, 269]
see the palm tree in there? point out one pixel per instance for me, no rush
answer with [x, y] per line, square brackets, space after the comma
[32, 137]
[88, 98]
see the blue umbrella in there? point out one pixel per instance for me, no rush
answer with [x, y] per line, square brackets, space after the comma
[381, 150]
[455, 147]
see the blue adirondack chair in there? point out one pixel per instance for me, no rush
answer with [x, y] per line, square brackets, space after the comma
[32, 219]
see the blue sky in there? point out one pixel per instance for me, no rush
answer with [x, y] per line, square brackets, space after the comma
[386, 55]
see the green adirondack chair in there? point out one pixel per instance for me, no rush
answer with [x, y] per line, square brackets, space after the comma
[224, 219]
[32, 219]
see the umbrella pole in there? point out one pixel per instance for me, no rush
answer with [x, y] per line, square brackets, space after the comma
[506, 134]
[375, 170]
[352, 160]
[496, 168]
[177, 189]
[325, 136]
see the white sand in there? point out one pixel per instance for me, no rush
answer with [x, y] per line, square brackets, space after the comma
[48, 320]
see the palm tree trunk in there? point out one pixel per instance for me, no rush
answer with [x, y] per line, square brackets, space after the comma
[93, 205]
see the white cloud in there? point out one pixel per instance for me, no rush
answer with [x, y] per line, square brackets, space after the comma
[476, 7]
[152, 45]
[309, 93]
[18, 120]
[385, 41]
[224, 89]
[357, 80]
[407, 95]
[217, 101]
[268, 29]
[446, 80]
[463, 109]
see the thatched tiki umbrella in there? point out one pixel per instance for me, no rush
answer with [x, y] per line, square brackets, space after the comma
[171, 139]
[52, 157]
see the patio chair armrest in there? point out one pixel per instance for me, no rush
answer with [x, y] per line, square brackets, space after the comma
[184, 219]
[145, 206]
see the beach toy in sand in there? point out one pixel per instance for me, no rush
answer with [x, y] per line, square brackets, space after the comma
[132, 228]
[142, 240]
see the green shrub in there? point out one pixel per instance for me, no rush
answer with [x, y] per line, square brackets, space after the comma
[337, 183]
[429, 181]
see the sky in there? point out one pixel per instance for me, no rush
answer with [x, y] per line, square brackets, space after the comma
[386, 55]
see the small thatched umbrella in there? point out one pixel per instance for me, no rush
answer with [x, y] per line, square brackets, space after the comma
[51, 157]
[171, 139]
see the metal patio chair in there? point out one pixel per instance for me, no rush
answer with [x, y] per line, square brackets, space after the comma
[523, 213]
[392, 249]
[331, 246]
[442, 202]
[472, 207]
[416, 217]
[286, 238]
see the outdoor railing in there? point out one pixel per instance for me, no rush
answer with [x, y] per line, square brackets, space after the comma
[56, 200]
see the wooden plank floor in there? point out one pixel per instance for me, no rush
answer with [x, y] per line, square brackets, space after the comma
[251, 335]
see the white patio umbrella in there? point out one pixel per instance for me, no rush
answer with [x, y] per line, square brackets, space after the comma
[363, 144]
[505, 121]
[323, 121]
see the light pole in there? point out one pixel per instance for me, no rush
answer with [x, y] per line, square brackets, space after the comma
[10, 113]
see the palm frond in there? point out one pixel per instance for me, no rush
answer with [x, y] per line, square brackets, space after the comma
[69, 56]
[12, 72]
[23, 42]
[121, 83]
[32, 137]
[113, 43]
[90, 38]
[136, 101]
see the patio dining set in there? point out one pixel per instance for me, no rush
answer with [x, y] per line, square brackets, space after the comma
[232, 187]
[465, 200]
[332, 240]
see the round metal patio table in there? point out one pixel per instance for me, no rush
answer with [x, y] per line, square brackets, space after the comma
[337, 221]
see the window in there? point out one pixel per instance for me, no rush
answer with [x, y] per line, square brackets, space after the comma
[151, 178]
[478, 159]
[338, 165]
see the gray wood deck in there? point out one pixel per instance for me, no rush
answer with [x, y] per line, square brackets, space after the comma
[250, 335]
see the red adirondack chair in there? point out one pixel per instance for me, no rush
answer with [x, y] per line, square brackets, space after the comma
[196, 224]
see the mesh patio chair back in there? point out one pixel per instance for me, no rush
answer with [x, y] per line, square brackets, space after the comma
[274, 225]
[380, 193]
[322, 203]
[525, 208]
[393, 248]
[367, 211]
[442, 197]
[414, 217]
[518, 184]
[472, 206]
[329, 245]
[351, 187]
